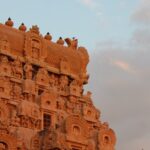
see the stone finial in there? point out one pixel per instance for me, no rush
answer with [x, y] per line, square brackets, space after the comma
[60, 41]
[48, 36]
[9, 22]
[22, 27]
[73, 43]
[35, 29]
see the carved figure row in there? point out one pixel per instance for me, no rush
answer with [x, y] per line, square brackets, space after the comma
[41, 76]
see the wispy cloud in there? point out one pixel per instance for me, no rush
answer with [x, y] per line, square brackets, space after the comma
[89, 3]
[120, 82]
[94, 5]
[120, 85]
[142, 13]
[122, 65]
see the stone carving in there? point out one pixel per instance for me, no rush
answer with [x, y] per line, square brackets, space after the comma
[29, 90]
[85, 60]
[34, 45]
[70, 105]
[5, 67]
[9, 22]
[5, 87]
[35, 143]
[48, 100]
[54, 139]
[72, 43]
[91, 113]
[42, 76]
[63, 83]
[48, 36]
[35, 29]
[7, 142]
[17, 69]
[42, 105]
[4, 44]
[78, 108]
[53, 81]
[15, 121]
[91, 145]
[29, 115]
[106, 137]
[16, 92]
[28, 70]
[4, 114]
[60, 41]
[28, 122]
[22, 27]
[76, 128]
[35, 49]
[61, 103]
[64, 66]
[75, 88]
[29, 109]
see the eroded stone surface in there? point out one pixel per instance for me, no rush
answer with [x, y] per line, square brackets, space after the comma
[42, 105]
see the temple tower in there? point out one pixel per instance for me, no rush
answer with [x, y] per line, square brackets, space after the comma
[42, 103]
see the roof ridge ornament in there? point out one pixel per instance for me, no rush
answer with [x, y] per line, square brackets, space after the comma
[73, 43]
[22, 27]
[9, 22]
[35, 29]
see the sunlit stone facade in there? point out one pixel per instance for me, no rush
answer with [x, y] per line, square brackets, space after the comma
[42, 103]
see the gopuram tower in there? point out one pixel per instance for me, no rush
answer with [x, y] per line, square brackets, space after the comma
[42, 103]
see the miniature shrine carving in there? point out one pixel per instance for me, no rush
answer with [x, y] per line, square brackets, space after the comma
[42, 101]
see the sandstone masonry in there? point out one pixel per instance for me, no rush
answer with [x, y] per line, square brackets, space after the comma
[42, 105]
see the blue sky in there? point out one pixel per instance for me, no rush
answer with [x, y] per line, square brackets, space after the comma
[88, 20]
[116, 34]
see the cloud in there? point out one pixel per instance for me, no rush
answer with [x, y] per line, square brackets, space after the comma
[121, 92]
[142, 13]
[122, 65]
[89, 3]
[120, 82]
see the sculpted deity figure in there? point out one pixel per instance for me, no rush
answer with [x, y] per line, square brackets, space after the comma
[76, 88]
[61, 103]
[5, 67]
[17, 69]
[4, 87]
[71, 104]
[28, 70]
[42, 76]
[4, 43]
[63, 82]
[53, 81]
[78, 108]
[17, 92]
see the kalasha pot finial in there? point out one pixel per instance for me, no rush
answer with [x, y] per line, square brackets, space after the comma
[48, 36]
[22, 27]
[9, 22]
[60, 41]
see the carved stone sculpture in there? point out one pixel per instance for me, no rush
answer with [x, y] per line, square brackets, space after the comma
[5, 67]
[42, 104]
[17, 69]
[28, 70]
